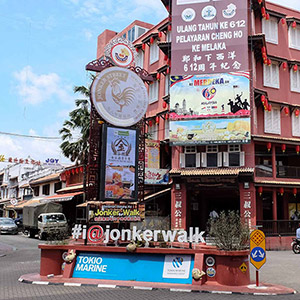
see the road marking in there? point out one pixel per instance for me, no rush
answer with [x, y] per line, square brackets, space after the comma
[143, 288]
[110, 286]
[72, 284]
[40, 282]
[180, 290]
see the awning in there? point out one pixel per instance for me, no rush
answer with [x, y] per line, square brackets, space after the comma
[160, 193]
[61, 197]
[71, 188]
[21, 204]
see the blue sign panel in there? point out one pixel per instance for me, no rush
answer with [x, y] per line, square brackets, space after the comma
[138, 267]
[258, 254]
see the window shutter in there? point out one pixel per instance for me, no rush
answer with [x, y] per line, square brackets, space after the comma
[225, 159]
[219, 159]
[242, 159]
[293, 76]
[267, 75]
[276, 121]
[295, 125]
[198, 160]
[275, 75]
[268, 121]
[203, 160]
[182, 160]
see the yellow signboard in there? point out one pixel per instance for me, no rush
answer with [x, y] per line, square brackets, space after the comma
[257, 249]
[243, 267]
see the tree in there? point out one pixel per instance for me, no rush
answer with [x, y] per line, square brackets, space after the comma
[76, 130]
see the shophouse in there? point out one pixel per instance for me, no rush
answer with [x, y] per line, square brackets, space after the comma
[260, 178]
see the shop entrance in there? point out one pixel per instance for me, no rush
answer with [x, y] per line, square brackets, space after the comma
[203, 201]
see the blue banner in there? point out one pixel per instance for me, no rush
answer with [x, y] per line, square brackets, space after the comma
[137, 267]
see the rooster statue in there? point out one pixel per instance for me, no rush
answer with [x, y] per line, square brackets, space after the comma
[122, 98]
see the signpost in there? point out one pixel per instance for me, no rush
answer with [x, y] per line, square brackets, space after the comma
[257, 250]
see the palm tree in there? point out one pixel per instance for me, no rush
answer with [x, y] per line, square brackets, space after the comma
[75, 131]
[77, 148]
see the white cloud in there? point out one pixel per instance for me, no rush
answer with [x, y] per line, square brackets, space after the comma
[35, 89]
[88, 34]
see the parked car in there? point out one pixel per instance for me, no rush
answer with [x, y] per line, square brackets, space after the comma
[7, 225]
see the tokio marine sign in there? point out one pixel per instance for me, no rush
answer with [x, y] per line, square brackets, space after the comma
[119, 96]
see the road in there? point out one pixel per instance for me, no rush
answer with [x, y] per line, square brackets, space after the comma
[19, 255]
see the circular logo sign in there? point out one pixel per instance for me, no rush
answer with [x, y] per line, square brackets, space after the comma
[210, 261]
[13, 201]
[122, 55]
[211, 272]
[119, 96]
[209, 12]
[188, 15]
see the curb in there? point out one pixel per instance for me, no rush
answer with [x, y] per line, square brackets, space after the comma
[112, 286]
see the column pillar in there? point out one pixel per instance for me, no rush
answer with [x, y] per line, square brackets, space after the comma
[178, 206]
[274, 168]
[274, 204]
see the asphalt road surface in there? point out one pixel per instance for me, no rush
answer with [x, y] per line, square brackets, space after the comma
[19, 255]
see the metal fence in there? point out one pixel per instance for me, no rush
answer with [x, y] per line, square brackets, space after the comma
[279, 227]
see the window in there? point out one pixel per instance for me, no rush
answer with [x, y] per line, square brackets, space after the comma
[295, 81]
[271, 75]
[57, 186]
[295, 125]
[152, 130]
[131, 34]
[270, 29]
[154, 53]
[294, 38]
[190, 158]
[272, 121]
[153, 92]
[36, 191]
[167, 129]
[46, 189]
[140, 59]
[140, 31]
[211, 158]
[167, 84]
[168, 36]
[234, 157]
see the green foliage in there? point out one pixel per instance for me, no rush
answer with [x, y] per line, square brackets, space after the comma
[76, 130]
[229, 231]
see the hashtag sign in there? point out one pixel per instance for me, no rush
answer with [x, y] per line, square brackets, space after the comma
[76, 231]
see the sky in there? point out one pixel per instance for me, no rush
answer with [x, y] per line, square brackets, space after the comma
[45, 47]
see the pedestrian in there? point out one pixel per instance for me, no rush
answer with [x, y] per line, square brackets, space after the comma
[298, 233]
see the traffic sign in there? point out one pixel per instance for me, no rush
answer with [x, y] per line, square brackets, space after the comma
[257, 249]
[243, 267]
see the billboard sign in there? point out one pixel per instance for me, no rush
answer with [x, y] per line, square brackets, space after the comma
[212, 131]
[119, 164]
[119, 96]
[156, 176]
[209, 36]
[206, 96]
[152, 156]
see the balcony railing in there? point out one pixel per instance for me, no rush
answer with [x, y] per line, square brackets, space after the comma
[263, 171]
[279, 227]
[288, 172]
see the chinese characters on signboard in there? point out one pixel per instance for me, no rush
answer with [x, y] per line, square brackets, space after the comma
[209, 36]
[119, 164]
[204, 96]
[247, 207]
[178, 210]
[152, 154]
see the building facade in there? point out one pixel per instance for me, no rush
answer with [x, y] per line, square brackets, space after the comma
[260, 178]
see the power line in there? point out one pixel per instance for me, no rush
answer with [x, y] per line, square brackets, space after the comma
[31, 136]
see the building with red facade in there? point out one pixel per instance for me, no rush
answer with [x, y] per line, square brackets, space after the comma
[260, 179]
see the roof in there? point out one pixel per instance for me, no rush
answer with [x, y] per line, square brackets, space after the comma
[212, 171]
[70, 188]
[21, 204]
[47, 178]
[277, 183]
[269, 138]
[61, 197]
[160, 193]
[25, 185]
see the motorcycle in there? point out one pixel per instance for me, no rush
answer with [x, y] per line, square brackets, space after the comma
[296, 246]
